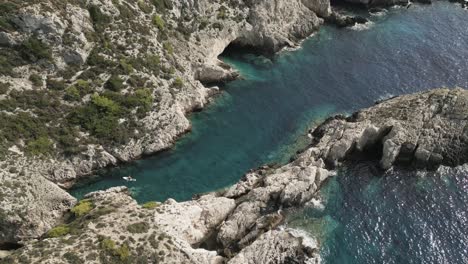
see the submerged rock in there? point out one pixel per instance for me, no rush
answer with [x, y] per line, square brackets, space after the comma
[341, 20]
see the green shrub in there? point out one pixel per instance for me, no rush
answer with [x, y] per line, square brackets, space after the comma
[127, 67]
[99, 19]
[57, 85]
[33, 49]
[6, 68]
[58, 231]
[222, 13]
[100, 117]
[138, 228]
[4, 87]
[150, 205]
[94, 59]
[168, 47]
[40, 146]
[66, 138]
[72, 94]
[178, 83]
[115, 83]
[158, 22]
[144, 99]
[107, 244]
[36, 79]
[83, 207]
[123, 252]
[162, 5]
[153, 62]
[72, 258]
[7, 8]
[145, 7]
[6, 24]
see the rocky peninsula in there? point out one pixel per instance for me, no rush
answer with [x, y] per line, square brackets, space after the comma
[243, 224]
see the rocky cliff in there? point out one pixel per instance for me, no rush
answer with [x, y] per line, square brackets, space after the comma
[243, 224]
[89, 84]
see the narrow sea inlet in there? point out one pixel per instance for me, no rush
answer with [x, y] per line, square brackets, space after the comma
[261, 119]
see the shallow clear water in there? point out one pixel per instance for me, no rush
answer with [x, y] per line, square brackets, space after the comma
[260, 119]
[400, 217]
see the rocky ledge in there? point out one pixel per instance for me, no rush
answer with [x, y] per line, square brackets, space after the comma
[243, 224]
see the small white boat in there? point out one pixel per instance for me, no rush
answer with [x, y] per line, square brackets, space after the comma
[129, 179]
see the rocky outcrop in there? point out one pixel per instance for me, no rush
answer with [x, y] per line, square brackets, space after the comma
[425, 130]
[279, 246]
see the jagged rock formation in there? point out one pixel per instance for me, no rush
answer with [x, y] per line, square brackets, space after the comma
[242, 224]
[426, 130]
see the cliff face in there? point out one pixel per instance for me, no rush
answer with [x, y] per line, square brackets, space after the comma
[84, 85]
[243, 223]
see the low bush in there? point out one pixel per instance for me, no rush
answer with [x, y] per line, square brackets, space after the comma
[58, 231]
[83, 207]
[222, 13]
[101, 118]
[168, 47]
[158, 22]
[115, 83]
[72, 258]
[162, 5]
[6, 68]
[100, 20]
[138, 228]
[146, 8]
[33, 50]
[72, 94]
[150, 205]
[178, 83]
[36, 79]
[126, 66]
[4, 87]
[40, 146]
[54, 84]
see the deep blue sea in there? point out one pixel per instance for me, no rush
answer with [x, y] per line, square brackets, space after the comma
[400, 217]
[262, 119]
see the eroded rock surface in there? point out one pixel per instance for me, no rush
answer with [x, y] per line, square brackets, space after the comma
[426, 129]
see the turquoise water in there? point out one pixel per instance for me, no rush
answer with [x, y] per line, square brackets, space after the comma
[397, 218]
[261, 119]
